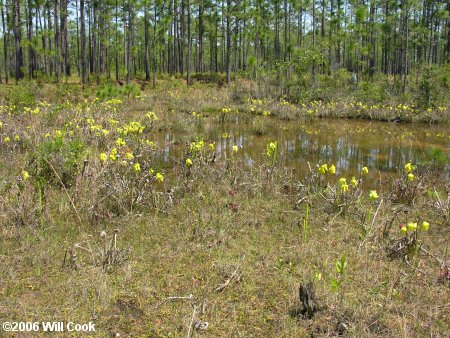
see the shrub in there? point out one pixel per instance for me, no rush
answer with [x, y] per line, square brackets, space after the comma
[58, 159]
[19, 96]
[110, 91]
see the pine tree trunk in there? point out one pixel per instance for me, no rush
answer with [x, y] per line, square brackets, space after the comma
[83, 43]
[201, 30]
[146, 42]
[94, 32]
[188, 63]
[128, 39]
[183, 37]
[30, 39]
[18, 41]
[57, 43]
[447, 49]
[228, 38]
[78, 38]
[285, 31]
[50, 28]
[5, 42]
[116, 43]
[64, 38]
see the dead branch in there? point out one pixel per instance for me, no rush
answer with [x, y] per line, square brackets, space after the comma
[224, 285]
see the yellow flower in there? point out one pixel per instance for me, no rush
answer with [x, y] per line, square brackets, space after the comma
[332, 169]
[151, 171]
[354, 182]
[120, 142]
[103, 157]
[344, 187]
[365, 170]
[373, 195]
[403, 230]
[271, 148]
[323, 169]
[412, 226]
[188, 162]
[409, 167]
[342, 181]
[113, 155]
[411, 177]
[425, 226]
[129, 156]
[235, 149]
[151, 144]
[7, 139]
[16, 138]
[25, 175]
[212, 146]
[199, 145]
[136, 167]
[152, 116]
[159, 177]
[196, 146]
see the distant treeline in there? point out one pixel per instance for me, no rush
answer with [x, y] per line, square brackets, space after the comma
[127, 39]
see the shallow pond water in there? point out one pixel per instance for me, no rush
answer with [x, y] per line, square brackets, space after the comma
[348, 144]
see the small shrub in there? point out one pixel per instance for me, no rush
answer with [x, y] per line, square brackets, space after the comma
[57, 159]
[110, 91]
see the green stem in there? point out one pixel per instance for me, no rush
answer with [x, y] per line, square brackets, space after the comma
[305, 222]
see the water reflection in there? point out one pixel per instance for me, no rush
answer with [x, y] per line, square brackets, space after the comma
[349, 144]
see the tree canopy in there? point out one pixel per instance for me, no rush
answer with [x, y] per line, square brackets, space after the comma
[129, 39]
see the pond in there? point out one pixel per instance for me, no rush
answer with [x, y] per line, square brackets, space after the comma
[348, 144]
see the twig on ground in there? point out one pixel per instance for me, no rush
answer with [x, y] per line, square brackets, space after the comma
[441, 262]
[376, 213]
[172, 298]
[224, 285]
[371, 226]
[180, 297]
[192, 321]
[416, 269]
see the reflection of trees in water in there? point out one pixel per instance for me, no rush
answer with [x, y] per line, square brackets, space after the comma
[349, 151]
[348, 145]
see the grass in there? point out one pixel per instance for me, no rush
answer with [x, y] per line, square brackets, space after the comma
[174, 95]
[216, 242]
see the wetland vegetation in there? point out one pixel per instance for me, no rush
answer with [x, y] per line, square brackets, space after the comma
[226, 168]
[153, 219]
